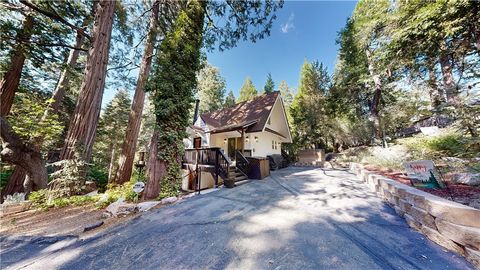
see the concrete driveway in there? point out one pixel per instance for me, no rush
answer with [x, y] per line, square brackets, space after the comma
[299, 218]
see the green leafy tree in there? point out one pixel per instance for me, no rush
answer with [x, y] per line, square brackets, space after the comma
[172, 87]
[269, 85]
[111, 128]
[211, 88]
[229, 100]
[247, 91]
[308, 107]
[173, 82]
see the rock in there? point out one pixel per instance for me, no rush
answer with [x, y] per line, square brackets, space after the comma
[145, 206]
[473, 256]
[120, 207]
[106, 215]
[412, 222]
[436, 237]
[454, 159]
[93, 226]
[169, 200]
[90, 186]
[452, 212]
[91, 194]
[467, 236]
[471, 179]
[422, 216]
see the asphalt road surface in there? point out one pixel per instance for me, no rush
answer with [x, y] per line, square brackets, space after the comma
[299, 218]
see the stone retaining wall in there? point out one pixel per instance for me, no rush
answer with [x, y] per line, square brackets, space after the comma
[453, 226]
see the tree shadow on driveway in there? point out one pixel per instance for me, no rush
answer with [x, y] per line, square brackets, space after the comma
[299, 218]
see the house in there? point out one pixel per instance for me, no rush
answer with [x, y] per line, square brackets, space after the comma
[253, 128]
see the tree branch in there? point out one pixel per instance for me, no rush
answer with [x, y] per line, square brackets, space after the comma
[55, 17]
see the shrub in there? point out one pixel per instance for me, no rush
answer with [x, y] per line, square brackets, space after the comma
[98, 176]
[4, 176]
[446, 144]
[115, 192]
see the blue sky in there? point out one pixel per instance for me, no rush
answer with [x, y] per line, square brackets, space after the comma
[303, 30]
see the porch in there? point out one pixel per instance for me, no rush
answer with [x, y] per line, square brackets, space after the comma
[210, 167]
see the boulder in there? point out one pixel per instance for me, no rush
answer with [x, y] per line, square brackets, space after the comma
[471, 179]
[120, 208]
[145, 206]
[169, 200]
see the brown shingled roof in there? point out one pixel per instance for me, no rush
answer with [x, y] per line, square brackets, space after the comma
[255, 110]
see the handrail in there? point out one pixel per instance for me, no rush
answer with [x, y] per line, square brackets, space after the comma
[212, 156]
[242, 164]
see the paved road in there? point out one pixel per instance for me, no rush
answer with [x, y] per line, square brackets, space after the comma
[296, 219]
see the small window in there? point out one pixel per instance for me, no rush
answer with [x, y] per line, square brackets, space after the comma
[273, 144]
[276, 145]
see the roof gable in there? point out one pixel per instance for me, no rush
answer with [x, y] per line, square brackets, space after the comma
[255, 110]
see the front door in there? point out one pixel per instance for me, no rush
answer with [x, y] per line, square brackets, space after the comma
[197, 142]
[232, 146]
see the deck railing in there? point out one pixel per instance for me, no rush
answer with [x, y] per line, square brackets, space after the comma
[211, 157]
[242, 164]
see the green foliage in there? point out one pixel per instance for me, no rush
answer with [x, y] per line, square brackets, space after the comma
[229, 100]
[448, 143]
[172, 86]
[211, 88]
[69, 179]
[241, 20]
[247, 91]
[39, 199]
[115, 192]
[4, 176]
[269, 85]
[111, 130]
[308, 107]
[99, 177]
[28, 121]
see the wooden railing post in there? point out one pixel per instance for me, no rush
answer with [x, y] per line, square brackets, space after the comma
[216, 167]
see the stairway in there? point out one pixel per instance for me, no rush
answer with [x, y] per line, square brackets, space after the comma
[239, 176]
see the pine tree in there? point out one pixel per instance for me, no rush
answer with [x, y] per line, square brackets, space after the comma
[111, 128]
[229, 100]
[247, 91]
[84, 121]
[308, 106]
[211, 88]
[269, 85]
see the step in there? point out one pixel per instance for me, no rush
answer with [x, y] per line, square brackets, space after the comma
[240, 178]
[239, 183]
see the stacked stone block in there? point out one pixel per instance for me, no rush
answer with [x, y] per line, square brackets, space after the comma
[453, 226]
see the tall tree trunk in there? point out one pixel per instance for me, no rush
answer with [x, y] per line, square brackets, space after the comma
[157, 169]
[11, 79]
[129, 146]
[112, 162]
[64, 81]
[437, 96]
[15, 183]
[19, 174]
[20, 154]
[83, 125]
[448, 81]
[377, 94]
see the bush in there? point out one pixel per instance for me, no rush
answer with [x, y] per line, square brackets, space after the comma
[40, 199]
[115, 192]
[4, 176]
[447, 144]
[98, 176]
